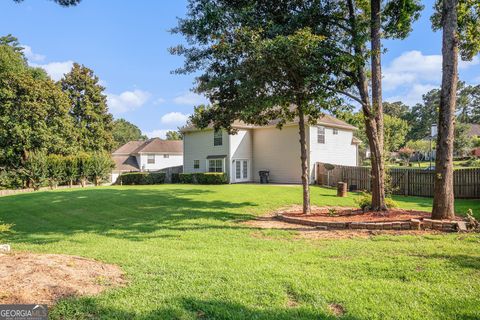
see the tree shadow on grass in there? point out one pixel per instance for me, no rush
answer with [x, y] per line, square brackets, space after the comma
[189, 308]
[460, 260]
[118, 212]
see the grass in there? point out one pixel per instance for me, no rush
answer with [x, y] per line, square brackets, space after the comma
[186, 256]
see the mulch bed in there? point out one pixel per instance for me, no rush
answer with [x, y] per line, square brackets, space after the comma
[341, 214]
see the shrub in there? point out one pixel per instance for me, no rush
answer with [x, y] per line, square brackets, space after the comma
[36, 169]
[210, 178]
[82, 161]
[203, 178]
[99, 166]
[175, 177]
[10, 179]
[71, 169]
[364, 201]
[142, 178]
[185, 177]
[156, 178]
[133, 178]
[56, 169]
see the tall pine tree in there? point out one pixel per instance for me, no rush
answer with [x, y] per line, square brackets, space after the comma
[88, 107]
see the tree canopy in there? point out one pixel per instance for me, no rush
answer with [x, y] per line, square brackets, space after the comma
[88, 108]
[33, 112]
[174, 135]
[124, 131]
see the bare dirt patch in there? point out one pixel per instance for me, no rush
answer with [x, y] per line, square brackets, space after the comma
[46, 278]
[336, 309]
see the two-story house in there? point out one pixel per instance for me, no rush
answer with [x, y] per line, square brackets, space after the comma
[150, 155]
[256, 148]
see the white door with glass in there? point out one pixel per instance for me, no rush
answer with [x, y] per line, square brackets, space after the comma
[241, 170]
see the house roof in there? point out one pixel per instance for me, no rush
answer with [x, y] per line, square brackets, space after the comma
[128, 147]
[356, 140]
[125, 163]
[326, 120]
[474, 130]
[154, 145]
[161, 146]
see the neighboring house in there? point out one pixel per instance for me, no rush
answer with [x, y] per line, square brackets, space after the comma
[150, 155]
[256, 148]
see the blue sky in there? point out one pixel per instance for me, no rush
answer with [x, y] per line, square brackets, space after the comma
[126, 44]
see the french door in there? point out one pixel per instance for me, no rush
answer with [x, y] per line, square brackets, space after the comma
[242, 170]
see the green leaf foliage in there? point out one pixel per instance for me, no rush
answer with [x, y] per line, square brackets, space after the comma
[33, 116]
[98, 166]
[468, 13]
[124, 131]
[88, 108]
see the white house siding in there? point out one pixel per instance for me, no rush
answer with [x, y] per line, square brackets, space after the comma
[337, 149]
[161, 162]
[198, 145]
[279, 152]
[241, 149]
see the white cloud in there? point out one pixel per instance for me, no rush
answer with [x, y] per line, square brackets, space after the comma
[414, 67]
[160, 133]
[413, 95]
[55, 70]
[127, 100]
[174, 118]
[159, 101]
[190, 98]
[30, 55]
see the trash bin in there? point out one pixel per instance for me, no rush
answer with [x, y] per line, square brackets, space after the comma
[342, 189]
[264, 176]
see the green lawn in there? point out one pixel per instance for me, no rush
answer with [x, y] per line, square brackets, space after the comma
[186, 256]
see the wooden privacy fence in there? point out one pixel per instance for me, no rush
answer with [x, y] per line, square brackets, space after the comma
[413, 182]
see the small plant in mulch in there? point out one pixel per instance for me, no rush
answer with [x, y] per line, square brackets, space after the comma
[332, 212]
[364, 201]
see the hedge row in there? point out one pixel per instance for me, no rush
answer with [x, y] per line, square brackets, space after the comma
[141, 178]
[200, 178]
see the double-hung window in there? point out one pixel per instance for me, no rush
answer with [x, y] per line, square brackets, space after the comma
[196, 164]
[217, 138]
[335, 131]
[215, 165]
[321, 134]
[151, 159]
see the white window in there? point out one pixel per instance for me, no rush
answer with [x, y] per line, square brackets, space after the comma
[215, 165]
[166, 156]
[321, 134]
[217, 138]
[196, 164]
[335, 131]
[151, 159]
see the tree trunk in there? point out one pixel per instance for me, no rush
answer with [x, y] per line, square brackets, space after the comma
[443, 199]
[373, 116]
[378, 163]
[303, 157]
